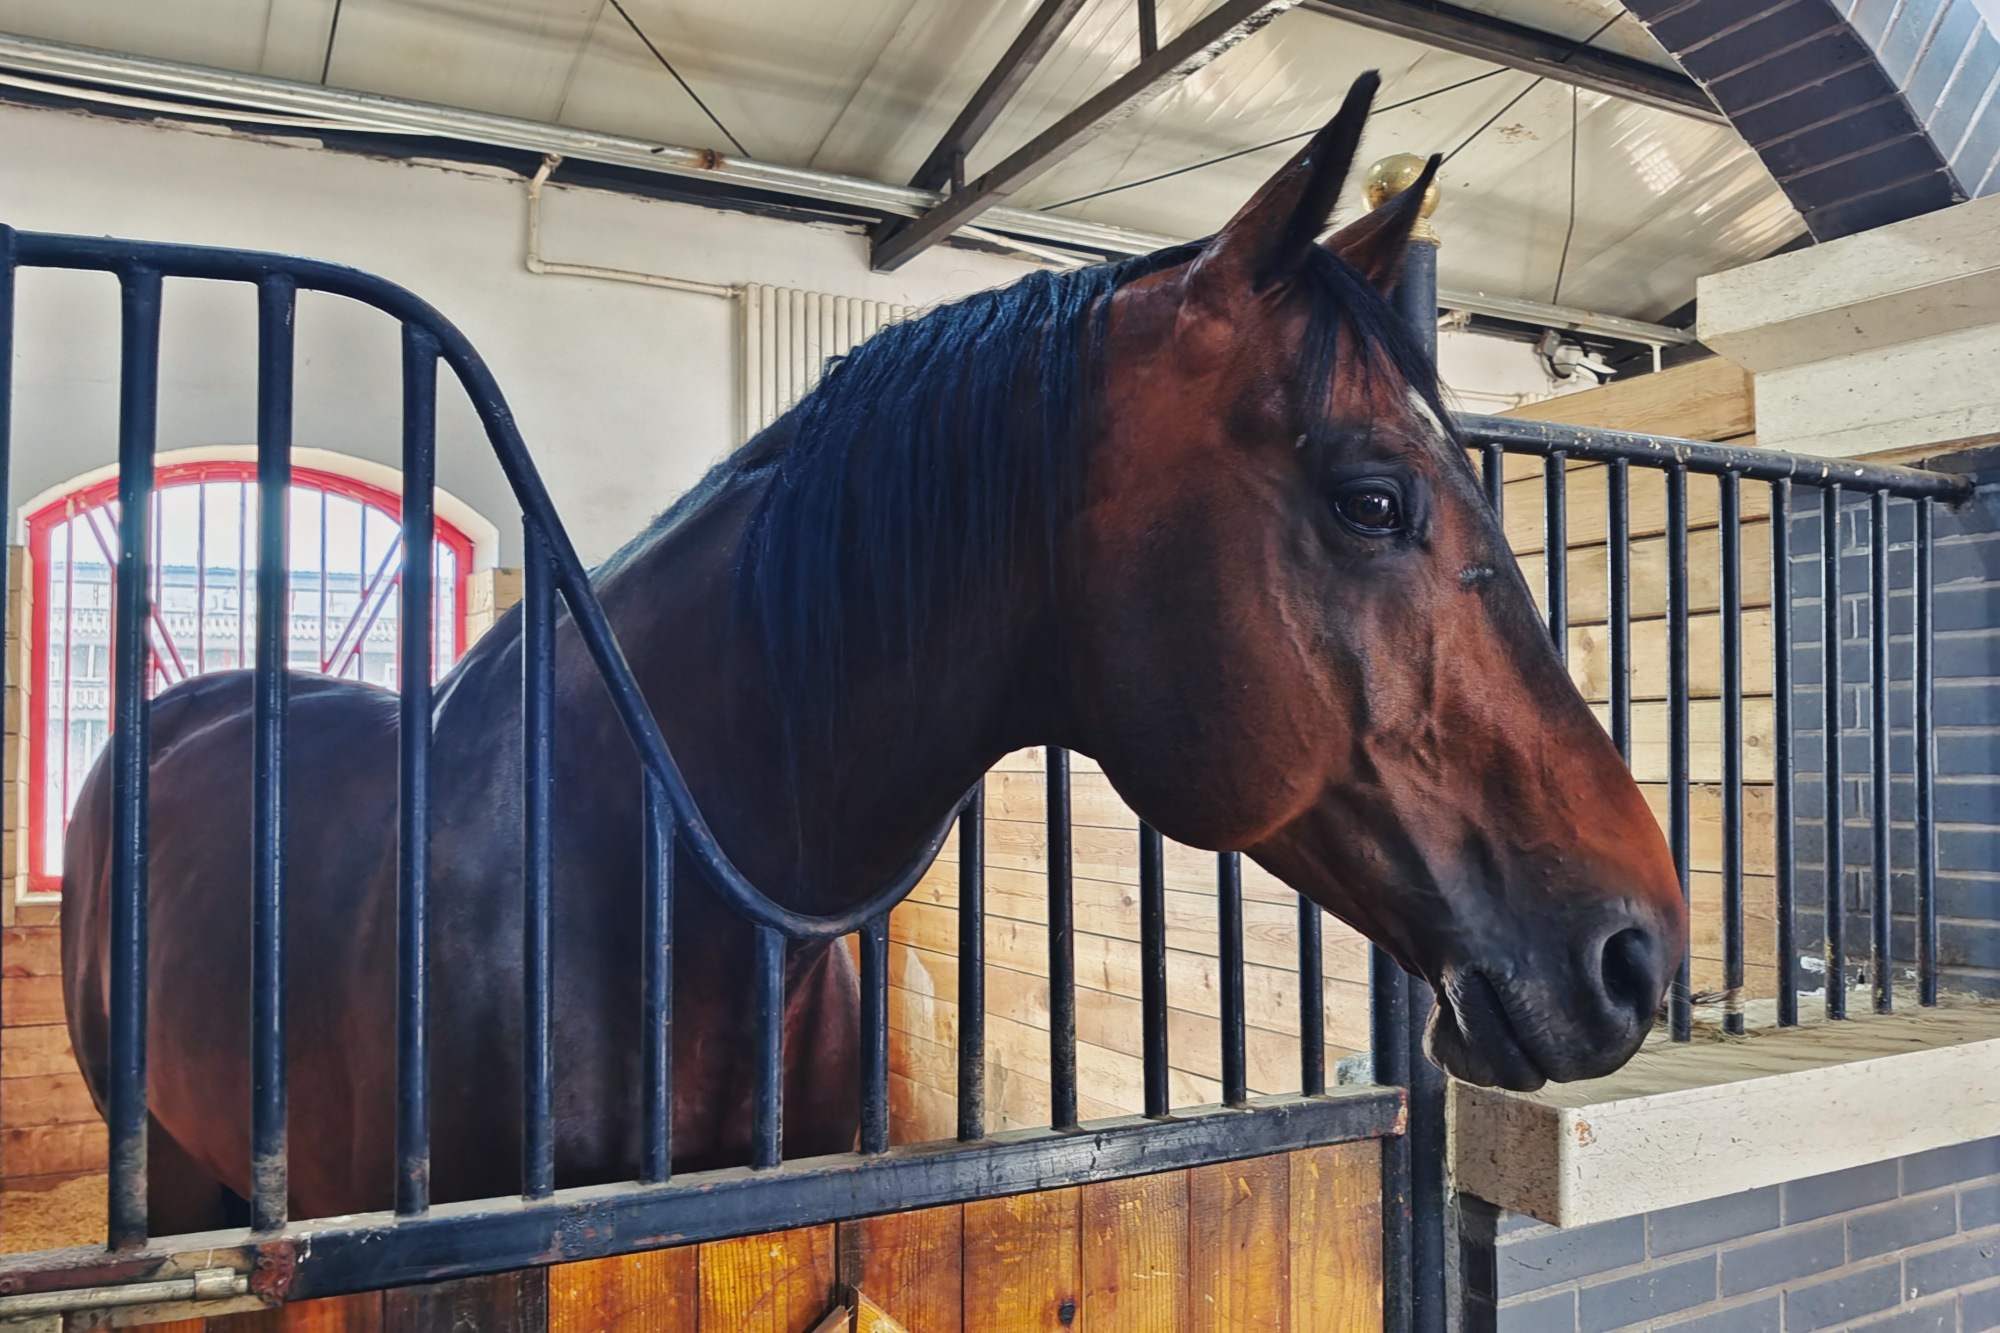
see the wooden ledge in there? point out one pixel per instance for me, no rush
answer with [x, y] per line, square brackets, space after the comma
[1726, 1114]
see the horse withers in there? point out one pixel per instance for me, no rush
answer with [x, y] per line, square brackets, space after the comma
[1199, 515]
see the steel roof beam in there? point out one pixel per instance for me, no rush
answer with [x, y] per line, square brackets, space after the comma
[1468, 32]
[1203, 40]
[1037, 37]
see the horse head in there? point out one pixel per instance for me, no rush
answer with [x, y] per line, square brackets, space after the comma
[1296, 629]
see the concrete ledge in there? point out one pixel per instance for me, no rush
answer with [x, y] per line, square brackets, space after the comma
[1724, 1115]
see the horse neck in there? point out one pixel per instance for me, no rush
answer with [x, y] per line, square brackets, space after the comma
[820, 813]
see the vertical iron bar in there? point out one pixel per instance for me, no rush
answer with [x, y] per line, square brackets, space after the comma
[413, 1128]
[1389, 1025]
[1921, 690]
[768, 1115]
[1881, 963]
[1149, 29]
[1786, 903]
[972, 965]
[138, 404]
[656, 971]
[538, 685]
[1062, 947]
[1835, 767]
[1229, 930]
[1312, 1001]
[1555, 547]
[1730, 521]
[1153, 966]
[1429, 1186]
[1618, 538]
[1493, 471]
[1681, 1008]
[276, 303]
[875, 1036]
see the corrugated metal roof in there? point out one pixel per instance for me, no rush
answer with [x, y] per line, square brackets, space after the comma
[866, 88]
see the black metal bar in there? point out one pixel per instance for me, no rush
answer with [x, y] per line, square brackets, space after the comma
[1834, 776]
[1429, 1169]
[1587, 444]
[1149, 29]
[538, 738]
[1037, 37]
[1229, 936]
[413, 1129]
[138, 412]
[1730, 521]
[1389, 1040]
[276, 305]
[1618, 547]
[1882, 960]
[768, 1112]
[656, 1161]
[1153, 967]
[376, 1251]
[1493, 472]
[1680, 1009]
[875, 1036]
[1783, 760]
[1922, 689]
[1312, 1001]
[1555, 548]
[972, 965]
[1062, 946]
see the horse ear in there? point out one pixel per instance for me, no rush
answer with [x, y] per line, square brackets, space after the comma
[1376, 242]
[1271, 235]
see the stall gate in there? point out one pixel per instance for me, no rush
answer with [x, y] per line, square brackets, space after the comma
[1310, 1210]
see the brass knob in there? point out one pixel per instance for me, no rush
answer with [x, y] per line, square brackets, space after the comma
[1395, 174]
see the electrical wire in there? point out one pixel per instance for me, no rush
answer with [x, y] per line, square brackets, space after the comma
[1569, 232]
[332, 31]
[1258, 148]
[669, 67]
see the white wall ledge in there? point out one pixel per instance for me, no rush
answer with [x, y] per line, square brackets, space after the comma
[1724, 1115]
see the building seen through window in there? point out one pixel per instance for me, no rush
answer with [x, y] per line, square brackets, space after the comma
[345, 606]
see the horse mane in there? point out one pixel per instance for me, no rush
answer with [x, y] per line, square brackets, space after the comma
[907, 483]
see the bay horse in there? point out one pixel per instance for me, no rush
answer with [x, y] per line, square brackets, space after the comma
[1199, 515]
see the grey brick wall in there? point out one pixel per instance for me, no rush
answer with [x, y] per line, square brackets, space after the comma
[1967, 672]
[1906, 1246]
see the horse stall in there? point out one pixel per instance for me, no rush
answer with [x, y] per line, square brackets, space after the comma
[503, 1026]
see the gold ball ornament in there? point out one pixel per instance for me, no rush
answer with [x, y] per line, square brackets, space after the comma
[1395, 174]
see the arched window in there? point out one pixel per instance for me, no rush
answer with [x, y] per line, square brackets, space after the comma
[346, 595]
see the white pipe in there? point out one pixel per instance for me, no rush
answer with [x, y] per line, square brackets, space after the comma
[536, 264]
[368, 111]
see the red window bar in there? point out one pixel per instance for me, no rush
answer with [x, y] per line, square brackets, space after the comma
[346, 561]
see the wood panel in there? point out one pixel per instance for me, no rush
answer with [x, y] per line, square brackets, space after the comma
[515, 1302]
[1021, 1262]
[1709, 399]
[1336, 1239]
[778, 1283]
[1587, 490]
[1135, 1255]
[1239, 1262]
[911, 1265]
[653, 1292]
[335, 1314]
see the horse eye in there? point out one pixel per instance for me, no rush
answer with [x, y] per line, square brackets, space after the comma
[1372, 509]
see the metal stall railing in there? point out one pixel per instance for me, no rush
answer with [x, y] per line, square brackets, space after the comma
[420, 1240]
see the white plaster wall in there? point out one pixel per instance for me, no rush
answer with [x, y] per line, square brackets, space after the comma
[625, 394]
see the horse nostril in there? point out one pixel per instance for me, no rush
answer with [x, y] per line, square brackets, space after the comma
[1627, 971]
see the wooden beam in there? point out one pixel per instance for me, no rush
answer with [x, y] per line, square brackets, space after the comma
[1203, 40]
[1468, 32]
[1037, 36]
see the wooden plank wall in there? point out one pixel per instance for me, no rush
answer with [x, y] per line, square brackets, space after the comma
[1284, 1244]
[923, 968]
[1706, 400]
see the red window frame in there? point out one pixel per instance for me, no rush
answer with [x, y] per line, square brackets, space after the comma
[42, 524]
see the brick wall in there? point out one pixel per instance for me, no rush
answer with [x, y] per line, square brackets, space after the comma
[1903, 1246]
[1966, 574]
